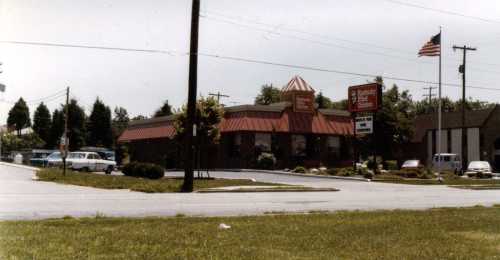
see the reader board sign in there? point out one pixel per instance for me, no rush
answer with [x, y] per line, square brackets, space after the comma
[364, 125]
[365, 98]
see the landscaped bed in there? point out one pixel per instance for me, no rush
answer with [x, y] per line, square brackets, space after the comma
[138, 184]
[468, 233]
[447, 179]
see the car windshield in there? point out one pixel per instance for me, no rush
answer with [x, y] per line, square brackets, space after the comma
[479, 164]
[411, 163]
[77, 156]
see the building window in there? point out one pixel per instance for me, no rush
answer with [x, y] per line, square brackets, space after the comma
[263, 142]
[235, 145]
[333, 144]
[299, 145]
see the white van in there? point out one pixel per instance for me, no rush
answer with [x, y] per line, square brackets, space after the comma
[449, 162]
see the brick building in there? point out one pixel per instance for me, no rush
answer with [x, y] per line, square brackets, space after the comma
[294, 130]
[482, 135]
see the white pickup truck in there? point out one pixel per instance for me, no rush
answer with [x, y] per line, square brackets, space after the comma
[90, 162]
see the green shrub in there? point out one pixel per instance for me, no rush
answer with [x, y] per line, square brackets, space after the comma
[392, 165]
[143, 170]
[266, 161]
[299, 169]
[332, 171]
[348, 171]
[407, 173]
[368, 175]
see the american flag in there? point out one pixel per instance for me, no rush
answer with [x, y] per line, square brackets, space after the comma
[432, 47]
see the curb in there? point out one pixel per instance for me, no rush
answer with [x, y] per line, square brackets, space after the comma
[295, 174]
[268, 190]
[19, 166]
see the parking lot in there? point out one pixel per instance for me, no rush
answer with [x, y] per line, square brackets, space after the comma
[23, 198]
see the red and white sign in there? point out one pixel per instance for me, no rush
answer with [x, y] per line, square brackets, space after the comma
[365, 98]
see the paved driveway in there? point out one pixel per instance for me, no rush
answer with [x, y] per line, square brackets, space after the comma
[22, 198]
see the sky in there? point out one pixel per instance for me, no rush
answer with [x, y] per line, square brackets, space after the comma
[374, 37]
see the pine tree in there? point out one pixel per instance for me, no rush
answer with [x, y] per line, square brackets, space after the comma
[19, 116]
[100, 132]
[164, 110]
[56, 129]
[42, 123]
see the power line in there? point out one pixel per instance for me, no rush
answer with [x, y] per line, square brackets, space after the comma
[88, 47]
[335, 71]
[329, 44]
[245, 60]
[444, 11]
[287, 28]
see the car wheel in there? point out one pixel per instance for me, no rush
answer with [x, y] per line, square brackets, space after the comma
[85, 169]
[109, 170]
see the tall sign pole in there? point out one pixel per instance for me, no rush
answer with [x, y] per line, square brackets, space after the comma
[461, 69]
[187, 186]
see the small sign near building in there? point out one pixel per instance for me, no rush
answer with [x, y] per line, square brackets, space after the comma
[365, 98]
[364, 125]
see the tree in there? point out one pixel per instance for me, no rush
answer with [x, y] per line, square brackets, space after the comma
[120, 121]
[42, 123]
[19, 116]
[393, 125]
[322, 101]
[164, 110]
[208, 116]
[56, 129]
[76, 125]
[100, 132]
[268, 95]
[12, 142]
[340, 105]
[139, 117]
[448, 105]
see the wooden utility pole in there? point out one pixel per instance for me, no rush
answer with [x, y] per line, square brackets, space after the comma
[464, 129]
[65, 136]
[430, 95]
[187, 186]
[218, 95]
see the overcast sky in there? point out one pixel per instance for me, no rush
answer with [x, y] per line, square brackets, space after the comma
[376, 37]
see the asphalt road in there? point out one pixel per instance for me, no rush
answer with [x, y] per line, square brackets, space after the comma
[22, 198]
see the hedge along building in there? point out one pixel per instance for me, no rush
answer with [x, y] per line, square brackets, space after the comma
[294, 130]
[482, 135]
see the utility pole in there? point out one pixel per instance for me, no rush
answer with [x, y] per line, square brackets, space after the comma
[462, 70]
[187, 186]
[65, 145]
[430, 95]
[2, 90]
[218, 95]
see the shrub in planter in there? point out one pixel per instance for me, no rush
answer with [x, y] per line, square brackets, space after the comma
[299, 169]
[266, 161]
[332, 171]
[348, 171]
[391, 165]
[143, 170]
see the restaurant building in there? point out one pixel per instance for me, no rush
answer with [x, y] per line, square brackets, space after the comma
[294, 130]
[482, 136]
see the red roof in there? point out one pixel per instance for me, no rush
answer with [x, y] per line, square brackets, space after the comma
[286, 122]
[149, 129]
[252, 120]
[297, 84]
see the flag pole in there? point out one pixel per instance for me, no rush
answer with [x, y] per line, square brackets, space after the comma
[439, 103]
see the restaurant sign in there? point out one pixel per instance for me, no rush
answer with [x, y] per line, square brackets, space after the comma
[365, 98]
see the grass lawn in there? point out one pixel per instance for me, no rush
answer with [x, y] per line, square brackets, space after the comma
[137, 184]
[470, 233]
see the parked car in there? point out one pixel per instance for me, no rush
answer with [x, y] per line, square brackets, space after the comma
[411, 165]
[53, 160]
[449, 162]
[476, 167]
[107, 155]
[38, 157]
[90, 162]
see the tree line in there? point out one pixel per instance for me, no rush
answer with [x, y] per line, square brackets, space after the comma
[101, 128]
